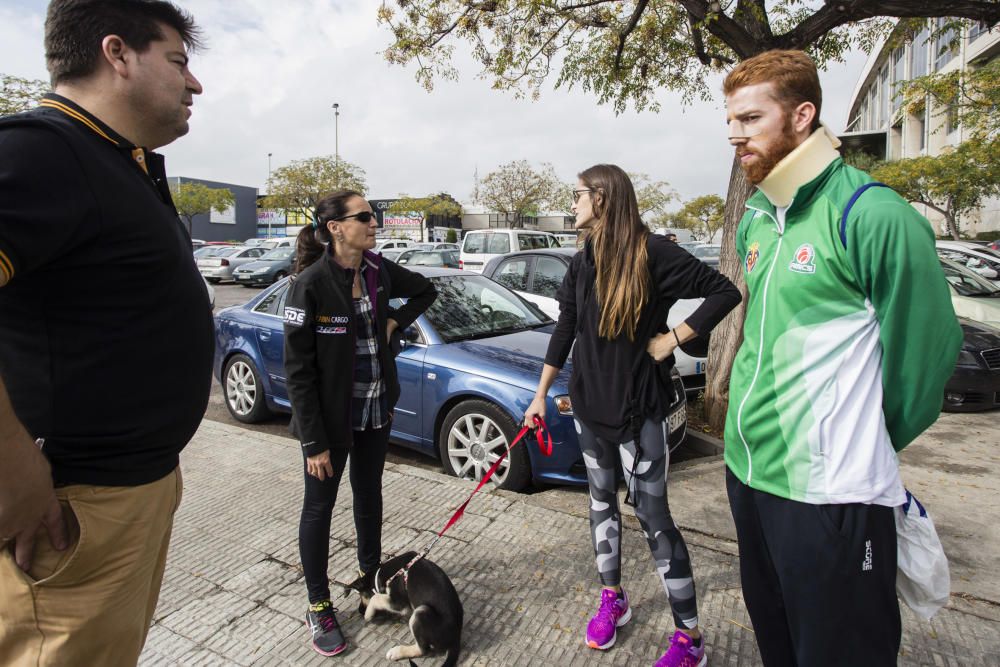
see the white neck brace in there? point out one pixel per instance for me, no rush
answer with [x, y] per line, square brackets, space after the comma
[802, 165]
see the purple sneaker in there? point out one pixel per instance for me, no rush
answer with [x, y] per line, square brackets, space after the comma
[683, 653]
[603, 627]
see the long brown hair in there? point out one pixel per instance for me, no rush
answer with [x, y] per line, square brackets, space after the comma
[313, 239]
[618, 242]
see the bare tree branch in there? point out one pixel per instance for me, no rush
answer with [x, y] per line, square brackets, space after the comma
[640, 7]
[835, 13]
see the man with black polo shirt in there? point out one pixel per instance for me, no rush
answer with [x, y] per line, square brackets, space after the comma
[105, 335]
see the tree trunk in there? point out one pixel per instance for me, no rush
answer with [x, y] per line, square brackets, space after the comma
[727, 337]
[952, 226]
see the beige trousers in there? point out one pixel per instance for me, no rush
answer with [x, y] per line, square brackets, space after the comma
[91, 604]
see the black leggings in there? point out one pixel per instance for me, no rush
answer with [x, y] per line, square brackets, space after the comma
[367, 462]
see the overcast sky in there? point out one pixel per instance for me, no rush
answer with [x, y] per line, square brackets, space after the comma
[272, 73]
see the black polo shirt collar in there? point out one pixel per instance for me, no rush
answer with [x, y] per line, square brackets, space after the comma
[151, 163]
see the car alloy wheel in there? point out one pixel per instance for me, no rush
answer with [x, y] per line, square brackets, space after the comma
[243, 390]
[474, 435]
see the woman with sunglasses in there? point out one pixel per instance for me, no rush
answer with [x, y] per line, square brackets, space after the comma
[343, 385]
[614, 302]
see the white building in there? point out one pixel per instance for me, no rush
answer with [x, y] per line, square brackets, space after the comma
[879, 125]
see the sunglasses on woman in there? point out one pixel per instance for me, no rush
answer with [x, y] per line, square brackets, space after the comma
[364, 216]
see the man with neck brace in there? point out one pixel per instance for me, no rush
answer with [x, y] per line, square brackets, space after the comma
[848, 341]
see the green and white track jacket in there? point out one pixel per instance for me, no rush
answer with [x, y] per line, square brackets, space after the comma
[845, 352]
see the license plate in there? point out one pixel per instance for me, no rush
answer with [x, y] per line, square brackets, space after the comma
[677, 419]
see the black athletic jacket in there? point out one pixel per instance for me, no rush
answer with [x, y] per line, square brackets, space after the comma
[615, 380]
[320, 343]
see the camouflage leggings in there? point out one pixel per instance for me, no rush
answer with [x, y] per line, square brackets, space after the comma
[649, 489]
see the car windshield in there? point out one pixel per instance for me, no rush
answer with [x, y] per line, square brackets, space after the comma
[426, 258]
[278, 254]
[226, 252]
[205, 252]
[966, 282]
[471, 306]
[707, 252]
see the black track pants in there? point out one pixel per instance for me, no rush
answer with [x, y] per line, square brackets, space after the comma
[819, 581]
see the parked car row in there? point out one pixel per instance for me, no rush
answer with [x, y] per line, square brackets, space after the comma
[536, 275]
[468, 369]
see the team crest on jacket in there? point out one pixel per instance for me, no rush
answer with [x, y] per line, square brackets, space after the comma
[804, 260]
[753, 254]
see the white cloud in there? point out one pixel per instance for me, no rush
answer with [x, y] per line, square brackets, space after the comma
[272, 73]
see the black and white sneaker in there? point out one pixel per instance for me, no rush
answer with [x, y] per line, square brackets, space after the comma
[327, 639]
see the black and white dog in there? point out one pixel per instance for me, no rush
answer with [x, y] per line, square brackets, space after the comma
[426, 595]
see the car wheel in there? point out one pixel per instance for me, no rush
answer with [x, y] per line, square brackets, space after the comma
[243, 390]
[474, 434]
[278, 276]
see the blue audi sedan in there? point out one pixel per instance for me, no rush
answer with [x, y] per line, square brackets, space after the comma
[468, 369]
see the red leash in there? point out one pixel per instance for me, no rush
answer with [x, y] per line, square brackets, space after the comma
[544, 445]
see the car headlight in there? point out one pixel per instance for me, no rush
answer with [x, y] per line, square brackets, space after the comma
[563, 405]
[260, 272]
[967, 359]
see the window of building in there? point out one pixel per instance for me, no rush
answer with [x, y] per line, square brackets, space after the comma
[950, 119]
[978, 29]
[883, 96]
[918, 54]
[898, 77]
[946, 44]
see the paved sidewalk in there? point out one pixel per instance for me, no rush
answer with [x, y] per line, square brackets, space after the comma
[234, 593]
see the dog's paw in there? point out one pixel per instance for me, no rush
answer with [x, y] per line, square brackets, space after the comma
[395, 653]
[369, 612]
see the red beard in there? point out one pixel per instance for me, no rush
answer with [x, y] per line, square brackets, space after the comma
[758, 170]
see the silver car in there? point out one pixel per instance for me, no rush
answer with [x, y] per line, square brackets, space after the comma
[221, 264]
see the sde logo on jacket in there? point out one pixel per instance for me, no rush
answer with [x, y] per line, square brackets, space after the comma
[804, 260]
[294, 316]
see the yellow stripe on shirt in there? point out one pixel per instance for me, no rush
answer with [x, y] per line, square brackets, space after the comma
[77, 115]
[6, 269]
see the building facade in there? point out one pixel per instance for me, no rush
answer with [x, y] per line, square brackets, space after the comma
[878, 124]
[238, 223]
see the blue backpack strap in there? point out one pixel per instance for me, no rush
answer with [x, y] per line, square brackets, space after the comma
[843, 219]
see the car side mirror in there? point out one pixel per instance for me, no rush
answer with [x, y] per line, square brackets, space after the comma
[411, 335]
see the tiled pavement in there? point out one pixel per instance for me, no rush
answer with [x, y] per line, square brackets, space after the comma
[234, 594]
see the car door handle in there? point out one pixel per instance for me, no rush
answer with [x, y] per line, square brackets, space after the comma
[265, 335]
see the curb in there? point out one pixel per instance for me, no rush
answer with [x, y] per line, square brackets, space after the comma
[704, 444]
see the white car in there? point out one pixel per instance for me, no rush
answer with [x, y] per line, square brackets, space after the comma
[392, 244]
[972, 296]
[536, 276]
[481, 245]
[983, 260]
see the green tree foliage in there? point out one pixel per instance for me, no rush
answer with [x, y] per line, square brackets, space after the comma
[17, 94]
[953, 183]
[191, 199]
[972, 97]
[706, 214]
[653, 197]
[299, 185]
[518, 190]
[441, 204]
[452, 236]
[861, 160]
[623, 52]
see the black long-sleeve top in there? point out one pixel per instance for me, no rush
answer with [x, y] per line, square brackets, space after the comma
[614, 380]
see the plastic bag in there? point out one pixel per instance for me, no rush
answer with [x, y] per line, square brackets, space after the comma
[922, 578]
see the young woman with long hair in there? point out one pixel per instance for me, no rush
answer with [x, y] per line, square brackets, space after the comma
[614, 302]
[342, 384]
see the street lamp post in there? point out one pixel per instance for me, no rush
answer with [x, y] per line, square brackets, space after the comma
[336, 138]
[268, 192]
